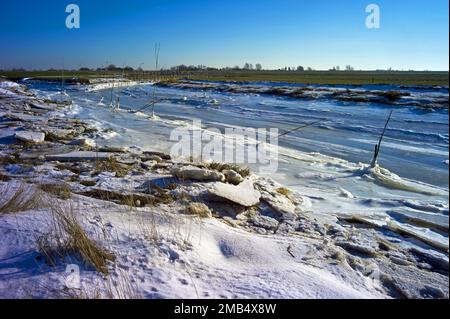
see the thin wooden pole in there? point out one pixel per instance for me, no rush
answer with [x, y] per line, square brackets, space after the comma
[378, 146]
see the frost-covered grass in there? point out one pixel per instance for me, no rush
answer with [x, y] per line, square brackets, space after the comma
[60, 190]
[174, 257]
[111, 165]
[23, 198]
[68, 236]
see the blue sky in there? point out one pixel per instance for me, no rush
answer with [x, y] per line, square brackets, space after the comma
[414, 34]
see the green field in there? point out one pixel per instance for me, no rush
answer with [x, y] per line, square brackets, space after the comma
[329, 77]
[306, 77]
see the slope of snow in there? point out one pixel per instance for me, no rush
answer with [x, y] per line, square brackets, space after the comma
[191, 258]
[8, 84]
[113, 84]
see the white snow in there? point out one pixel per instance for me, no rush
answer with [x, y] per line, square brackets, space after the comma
[28, 136]
[164, 253]
[8, 88]
[6, 92]
[190, 258]
[243, 194]
[198, 174]
[113, 84]
[8, 84]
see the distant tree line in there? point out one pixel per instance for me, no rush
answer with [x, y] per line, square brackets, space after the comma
[110, 67]
[299, 68]
[246, 66]
[193, 68]
[249, 66]
[200, 67]
[338, 68]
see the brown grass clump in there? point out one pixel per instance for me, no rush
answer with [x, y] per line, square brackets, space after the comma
[199, 209]
[4, 178]
[24, 144]
[88, 183]
[73, 169]
[11, 159]
[111, 165]
[121, 287]
[149, 228]
[69, 237]
[391, 95]
[61, 191]
[162, 195]
[243, 171]
[171, 186]
[283, 191]
[24, 198]
[51, 137]
[74, 178]
[131, 199]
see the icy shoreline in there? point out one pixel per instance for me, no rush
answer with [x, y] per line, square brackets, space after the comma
[229, 244]
[400, 97]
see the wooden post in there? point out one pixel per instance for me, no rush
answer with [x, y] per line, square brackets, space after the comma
[377, 146]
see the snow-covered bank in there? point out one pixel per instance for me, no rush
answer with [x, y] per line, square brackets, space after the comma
[181, 257]
[145, 208]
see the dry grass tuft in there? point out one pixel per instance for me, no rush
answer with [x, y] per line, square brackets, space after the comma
[130, 199]
[117, 287]
[4, 178]
[74, 178]
[88, 183]
[149, 228]
[162, 196]
[121, 287]
[61, 191]
[11, 159]
[52, 137]
[111, 165]
[243, 171]
[171, 186]
[69, 237]
[199, 209]
[77, 294]
[72, 168]
[391, 95]
[24, 198]
[283, 191]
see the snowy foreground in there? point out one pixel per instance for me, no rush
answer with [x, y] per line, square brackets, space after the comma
[152, 227]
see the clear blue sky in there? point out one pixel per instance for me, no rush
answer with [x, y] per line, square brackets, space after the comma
[414, 34]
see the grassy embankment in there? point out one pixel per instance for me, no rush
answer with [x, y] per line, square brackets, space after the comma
[307, 77]
[330, 77]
